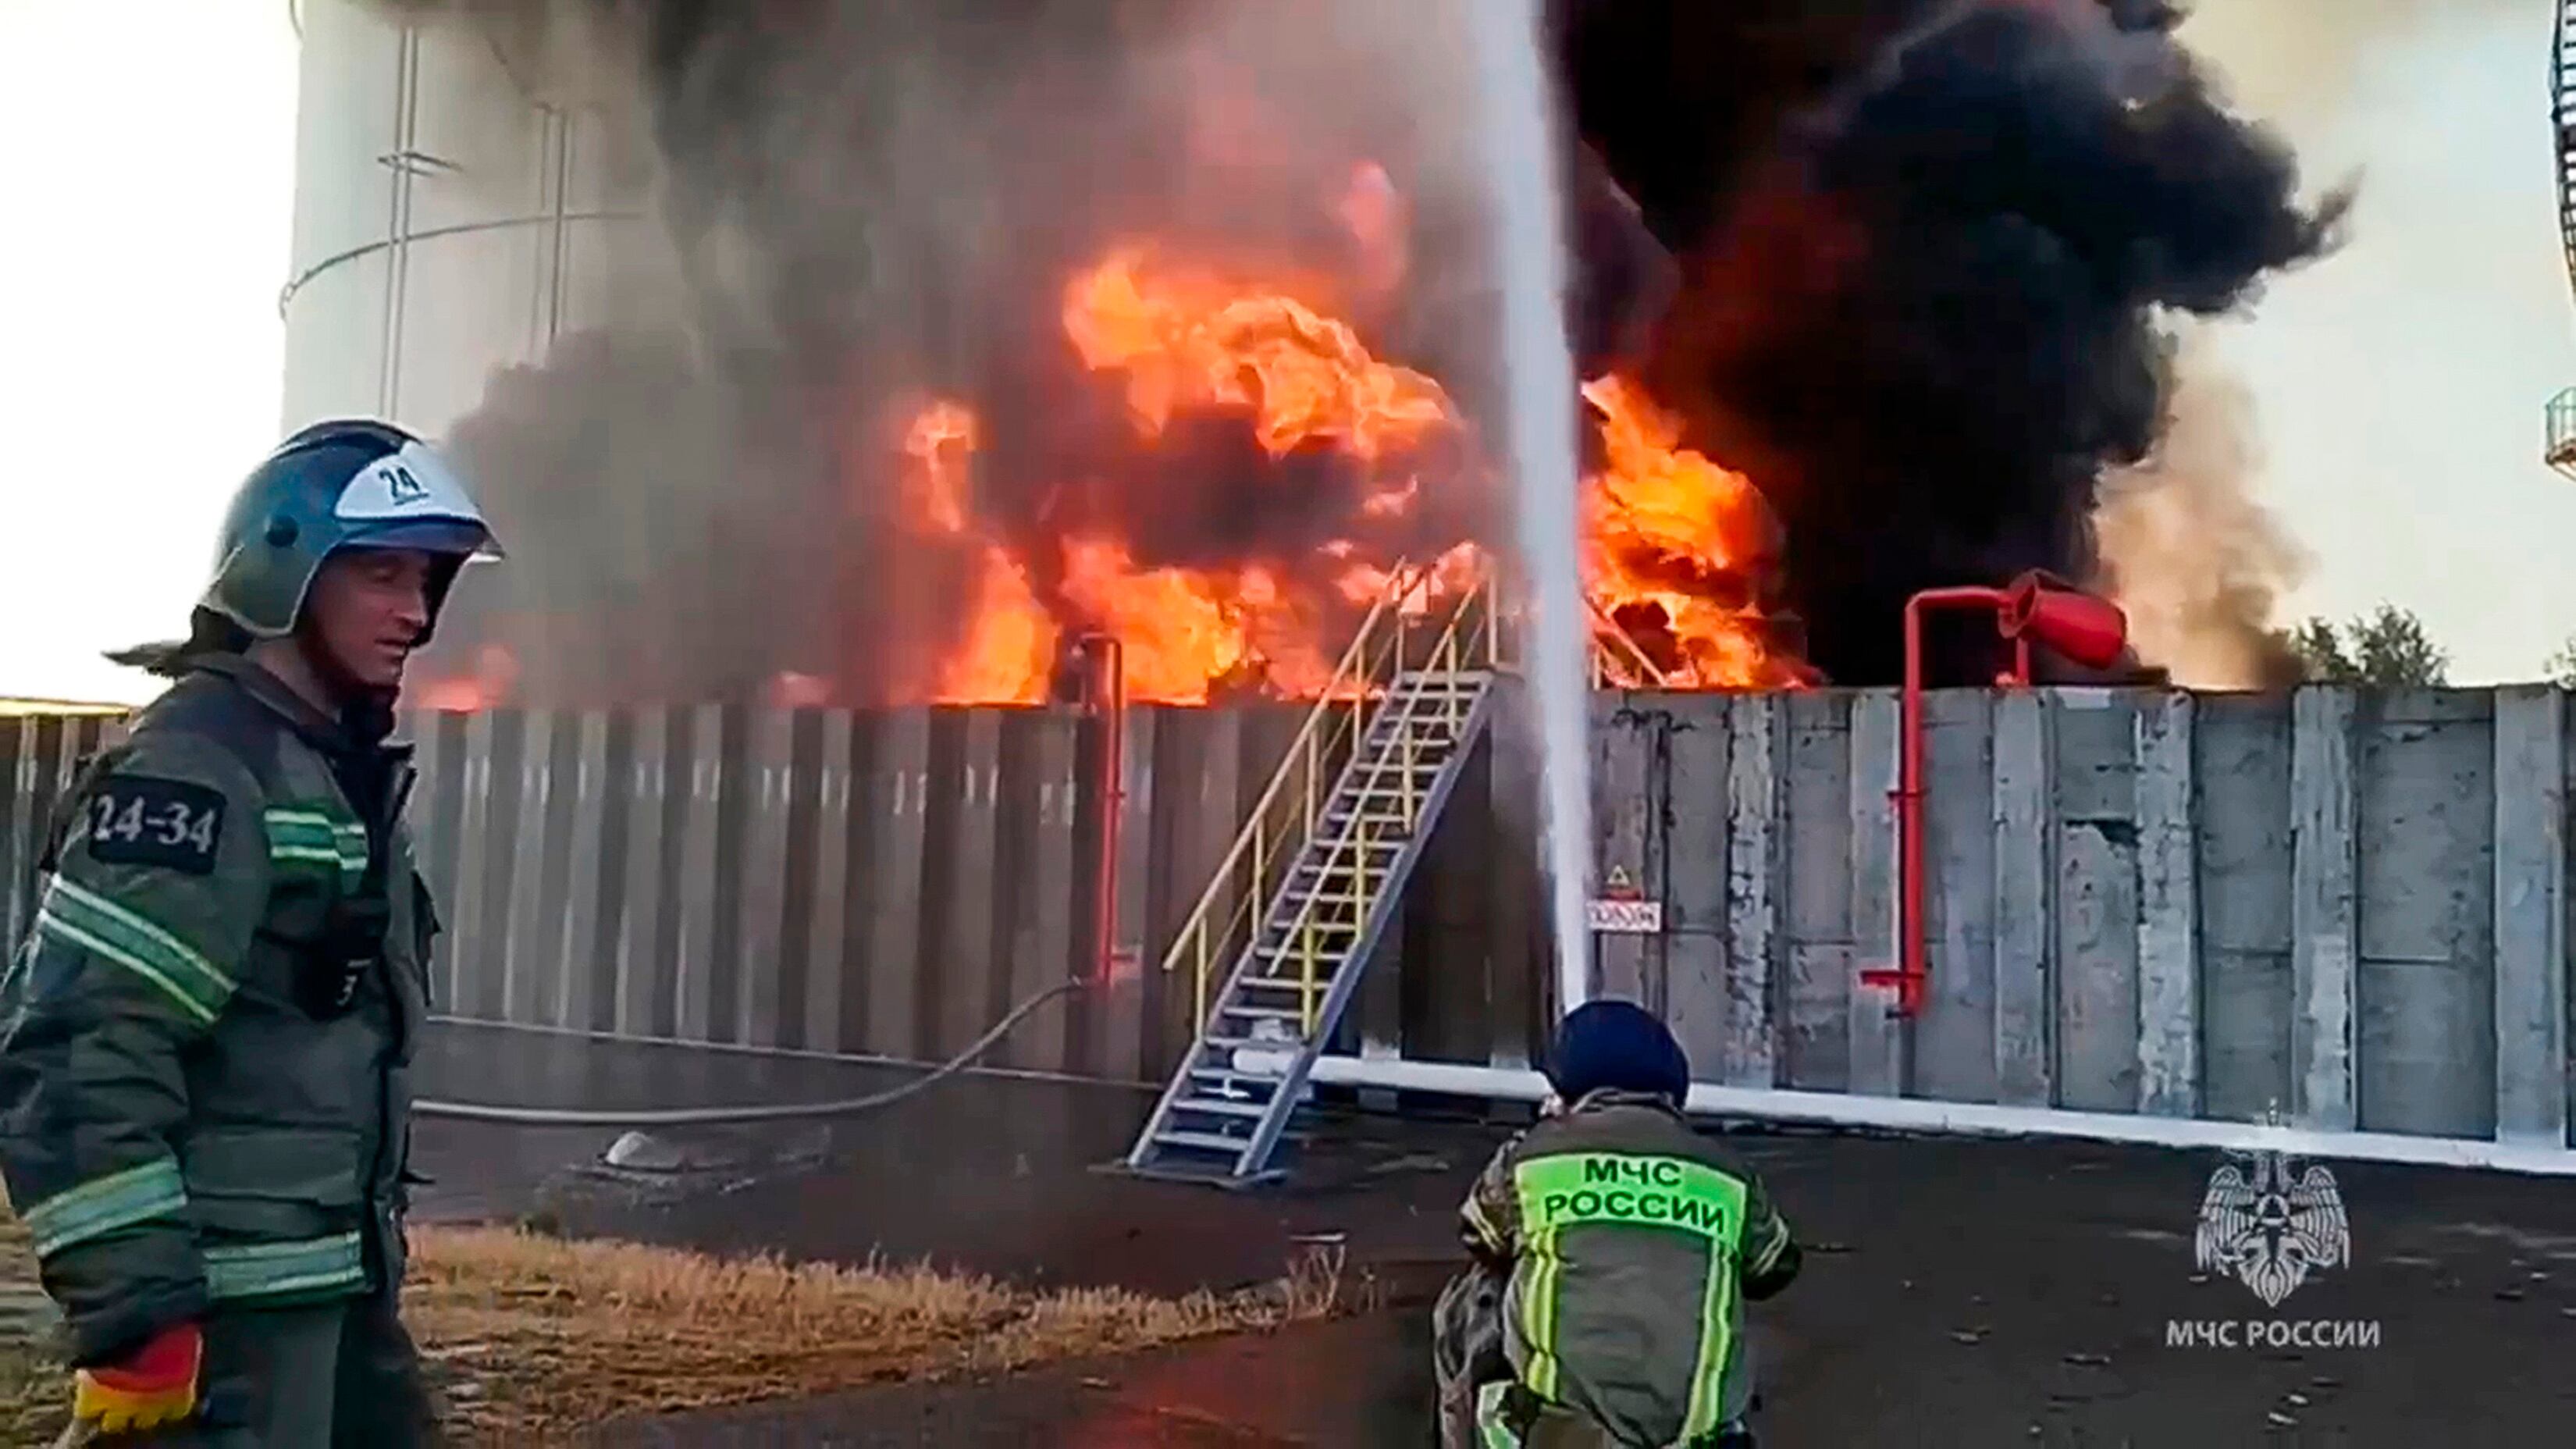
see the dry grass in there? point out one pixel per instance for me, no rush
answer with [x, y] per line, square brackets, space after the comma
[532, 1337]
[32, 1391]
[541, 1335]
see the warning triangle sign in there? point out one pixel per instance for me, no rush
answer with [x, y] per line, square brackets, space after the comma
[1618, 887]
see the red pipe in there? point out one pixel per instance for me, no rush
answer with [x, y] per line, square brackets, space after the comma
[2039, 607]
[1910, 972]
[1105, 695]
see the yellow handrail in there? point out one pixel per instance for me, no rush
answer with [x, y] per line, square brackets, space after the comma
[1307, 750]
[1359, 831]
[1610, 638]
[1204, 940]
[1613, 660]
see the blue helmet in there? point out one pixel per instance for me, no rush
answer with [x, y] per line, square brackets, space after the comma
[346, 483]
[1620, 1045]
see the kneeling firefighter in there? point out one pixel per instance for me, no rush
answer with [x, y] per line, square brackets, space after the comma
[206, 1035]
[1613, 1251]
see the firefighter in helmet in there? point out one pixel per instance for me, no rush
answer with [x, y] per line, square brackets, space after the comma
[206, 1032]
[1613, 1249]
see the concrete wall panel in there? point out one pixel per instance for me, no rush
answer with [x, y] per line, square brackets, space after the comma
[1693, 884]
[575, 947]
[705, 885]
[2531, 742]
[1816, 1047]
[761, 966]
[1955, 1036]
[898, 794]
[487, 838]
[834, 1018]
[2097, 899]
[2241, 754]
[788, 991]
[1628, 750]
[966, 895]
[1757, 836]
[1121, 1009]
[540, 856]
[1038, 857]
[436, 799]
[2323, 904]
[2025, 939]
[1881, 1040]
[2139, 901]
[647, 924]
[2169, 1021]
[2424, 984]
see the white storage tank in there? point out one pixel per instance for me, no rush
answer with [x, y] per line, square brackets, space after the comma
[455, 210]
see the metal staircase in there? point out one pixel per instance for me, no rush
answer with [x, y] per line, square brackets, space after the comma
[1326, 873]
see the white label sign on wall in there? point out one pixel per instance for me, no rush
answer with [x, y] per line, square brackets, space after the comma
[1625, 918]
[1622, 910]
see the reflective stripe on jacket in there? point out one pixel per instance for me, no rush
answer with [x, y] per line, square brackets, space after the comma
[1633, 1243]
[206, 1030]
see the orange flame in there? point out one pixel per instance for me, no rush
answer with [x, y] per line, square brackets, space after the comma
[1669, 532]
[1660, 518]
[1674, 542]
[941, 442]
[1010, 642]
[495, 675]
[1194, 341]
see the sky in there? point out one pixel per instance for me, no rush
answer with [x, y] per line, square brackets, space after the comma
[147, 164]
[2397, 387]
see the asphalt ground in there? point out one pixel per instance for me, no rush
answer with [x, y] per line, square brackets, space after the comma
[1957, 1292]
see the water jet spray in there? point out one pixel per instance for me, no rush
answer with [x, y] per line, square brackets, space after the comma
[1526, 190]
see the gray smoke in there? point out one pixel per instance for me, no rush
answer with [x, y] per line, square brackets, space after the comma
[2195, 560]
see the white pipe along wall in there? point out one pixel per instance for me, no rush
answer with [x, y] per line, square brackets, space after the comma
[1910, 1114]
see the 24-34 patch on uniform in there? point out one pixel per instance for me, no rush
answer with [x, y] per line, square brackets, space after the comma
[148, 820]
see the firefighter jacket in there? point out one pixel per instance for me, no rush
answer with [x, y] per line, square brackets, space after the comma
[1631, 1246]
[206, 1032]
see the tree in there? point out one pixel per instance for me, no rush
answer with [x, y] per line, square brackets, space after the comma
[2321, 654]
[2562, 665]
[2389, 649]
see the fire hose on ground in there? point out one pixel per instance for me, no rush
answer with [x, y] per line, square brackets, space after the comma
[766, 1112]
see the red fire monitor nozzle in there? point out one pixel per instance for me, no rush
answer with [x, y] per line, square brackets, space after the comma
[2039, 608]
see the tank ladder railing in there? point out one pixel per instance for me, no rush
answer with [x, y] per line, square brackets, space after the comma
[1285, 815]
[1618, 660]
[1460, 652]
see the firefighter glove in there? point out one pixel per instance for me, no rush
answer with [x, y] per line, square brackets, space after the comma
[155, 1385]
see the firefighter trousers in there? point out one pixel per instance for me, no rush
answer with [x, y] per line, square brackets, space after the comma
[330, 1376]
[1479, 1406]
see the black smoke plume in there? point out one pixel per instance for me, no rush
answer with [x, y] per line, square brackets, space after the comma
[1928, 250]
